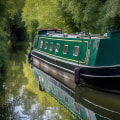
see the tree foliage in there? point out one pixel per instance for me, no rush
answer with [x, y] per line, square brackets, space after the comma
[69, 15]
[41, 14]
[8, 11]
[72, 15]
[91, 15]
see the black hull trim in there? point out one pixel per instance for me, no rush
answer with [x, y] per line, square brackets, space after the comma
[104, 78]
[55, 62]
[101, 71]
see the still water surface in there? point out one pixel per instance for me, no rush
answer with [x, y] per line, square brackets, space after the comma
[20, 98]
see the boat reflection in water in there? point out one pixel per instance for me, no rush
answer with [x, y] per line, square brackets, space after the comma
[84, 103]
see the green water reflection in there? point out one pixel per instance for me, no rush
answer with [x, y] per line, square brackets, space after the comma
[20, 98]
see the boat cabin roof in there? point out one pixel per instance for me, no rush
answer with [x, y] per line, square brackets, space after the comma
[77, 36]
[58, 33]
[50, 31]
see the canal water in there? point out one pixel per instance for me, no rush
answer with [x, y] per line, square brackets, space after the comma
[21, 99]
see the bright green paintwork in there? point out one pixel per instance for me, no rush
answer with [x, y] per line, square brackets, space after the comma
[70, 42]
[103, 52]
[64, 41]
[109, 50]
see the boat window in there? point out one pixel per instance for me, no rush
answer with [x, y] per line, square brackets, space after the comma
[57, 47]
[58, 92]
[51, 46]
[46, 43]
[66, 99]
[77, 107]
[41, 44]
[47, 85]
[53, 89]
[76, 51]
[65, 49]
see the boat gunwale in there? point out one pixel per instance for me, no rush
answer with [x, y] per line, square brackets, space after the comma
[67, 70]
[79, 65]
[98, 76]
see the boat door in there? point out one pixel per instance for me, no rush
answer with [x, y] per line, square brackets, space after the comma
[84, 51]
[36, 40]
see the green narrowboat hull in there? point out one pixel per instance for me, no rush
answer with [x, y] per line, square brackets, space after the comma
[93, 61]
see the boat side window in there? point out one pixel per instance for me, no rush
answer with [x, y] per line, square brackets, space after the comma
[65, 49]
[77, 107]
[51, 46]
[53, 89]
[58, 92]
[76, 51]
[41, 43]
[57, 47]
[66, 98]
[46, 43]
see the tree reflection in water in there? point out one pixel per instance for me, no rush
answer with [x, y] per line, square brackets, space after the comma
[20, 98]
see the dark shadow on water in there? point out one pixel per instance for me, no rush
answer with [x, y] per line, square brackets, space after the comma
[101, 103]
[18, 51]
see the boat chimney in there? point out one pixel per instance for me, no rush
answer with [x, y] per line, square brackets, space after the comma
[47, 34]
[65, 35]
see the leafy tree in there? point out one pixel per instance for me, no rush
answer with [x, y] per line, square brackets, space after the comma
[91, 15]
[8, 10]
[15, 28]
[110, 14]
[41, 14]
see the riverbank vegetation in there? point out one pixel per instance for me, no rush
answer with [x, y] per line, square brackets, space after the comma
[11, 28]
[94, 16]
[22, 18]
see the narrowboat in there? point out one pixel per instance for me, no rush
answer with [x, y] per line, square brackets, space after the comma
[82, 102]
[87, 59]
